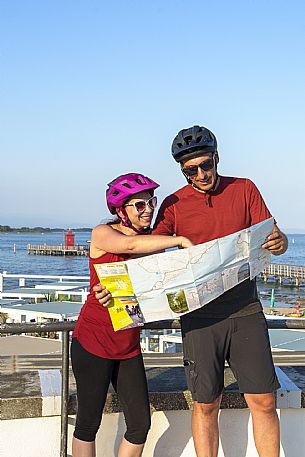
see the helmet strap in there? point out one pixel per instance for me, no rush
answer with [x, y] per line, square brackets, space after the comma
[127, 223]
[125, 220]
[189, 181]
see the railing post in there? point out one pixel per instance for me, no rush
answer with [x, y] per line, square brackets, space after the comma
[64, 394]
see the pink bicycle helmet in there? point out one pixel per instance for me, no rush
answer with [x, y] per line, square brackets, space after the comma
[123, 187]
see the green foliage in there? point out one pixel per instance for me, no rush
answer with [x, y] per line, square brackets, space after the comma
[8, 229]
[5, 228]
[177, 301]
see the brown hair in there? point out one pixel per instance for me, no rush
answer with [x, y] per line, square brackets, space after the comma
[115, 221]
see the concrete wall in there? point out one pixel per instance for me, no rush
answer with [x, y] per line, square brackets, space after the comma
[170, 435]
[30, 415]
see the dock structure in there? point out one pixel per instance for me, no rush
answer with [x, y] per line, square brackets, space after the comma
[43, 249]
[293, 274]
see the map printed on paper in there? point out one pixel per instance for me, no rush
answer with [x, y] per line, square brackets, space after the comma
[173, 283]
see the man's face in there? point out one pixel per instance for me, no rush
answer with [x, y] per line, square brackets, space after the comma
[203, 177]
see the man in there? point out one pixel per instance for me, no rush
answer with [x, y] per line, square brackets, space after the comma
[231, 327]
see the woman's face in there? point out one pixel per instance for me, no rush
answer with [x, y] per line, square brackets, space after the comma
[140, 209]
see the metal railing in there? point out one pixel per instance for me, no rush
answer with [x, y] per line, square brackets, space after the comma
[22, 277]
[67, 327]
[287, 271]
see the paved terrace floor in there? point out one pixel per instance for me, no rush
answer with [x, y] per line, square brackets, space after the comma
[23, 353]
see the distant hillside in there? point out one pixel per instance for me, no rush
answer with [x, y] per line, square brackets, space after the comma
[8, 229]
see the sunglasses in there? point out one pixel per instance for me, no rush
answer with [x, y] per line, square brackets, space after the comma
[141, 205]
[206, 165]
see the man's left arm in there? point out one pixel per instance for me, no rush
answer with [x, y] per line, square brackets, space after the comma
[277, 242]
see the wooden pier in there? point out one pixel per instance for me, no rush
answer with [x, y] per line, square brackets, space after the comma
[43, 249]
[294, 274]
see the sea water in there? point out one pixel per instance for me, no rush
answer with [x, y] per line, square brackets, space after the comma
[18, 261]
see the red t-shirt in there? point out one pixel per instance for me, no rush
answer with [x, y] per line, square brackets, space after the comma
[236, 204]
[94, 329]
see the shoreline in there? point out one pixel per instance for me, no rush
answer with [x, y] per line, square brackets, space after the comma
[285, 311]
[6, 229]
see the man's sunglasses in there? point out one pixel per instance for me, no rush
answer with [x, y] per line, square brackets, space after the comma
[206, 165]
[141, 205]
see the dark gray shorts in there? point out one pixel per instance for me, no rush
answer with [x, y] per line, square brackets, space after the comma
[242, 341]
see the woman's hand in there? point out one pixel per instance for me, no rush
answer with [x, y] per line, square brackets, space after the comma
[102, 295]
[185, 242]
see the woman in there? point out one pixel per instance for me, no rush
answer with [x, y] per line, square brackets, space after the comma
[100, 355]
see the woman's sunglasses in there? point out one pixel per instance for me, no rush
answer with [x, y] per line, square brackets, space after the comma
[140, 205]
[206, 165]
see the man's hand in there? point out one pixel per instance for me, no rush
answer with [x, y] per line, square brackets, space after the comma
[102, 294]
[276, 242]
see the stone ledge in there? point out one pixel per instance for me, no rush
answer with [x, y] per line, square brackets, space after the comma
[24, 396]
[18, 408]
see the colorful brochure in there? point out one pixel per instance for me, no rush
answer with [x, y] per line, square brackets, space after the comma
[124, 310]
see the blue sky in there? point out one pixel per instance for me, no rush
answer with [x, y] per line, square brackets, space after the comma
[93, 89]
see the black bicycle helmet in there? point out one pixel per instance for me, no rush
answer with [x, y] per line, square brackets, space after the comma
[190, 142]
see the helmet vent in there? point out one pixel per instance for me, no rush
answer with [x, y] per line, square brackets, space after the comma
[115, 193]
[138, 181]
[126, 185]
[189, 141]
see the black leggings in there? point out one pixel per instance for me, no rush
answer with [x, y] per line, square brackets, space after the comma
[93, 375]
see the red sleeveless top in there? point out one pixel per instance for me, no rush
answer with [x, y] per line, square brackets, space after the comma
[94, 329]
